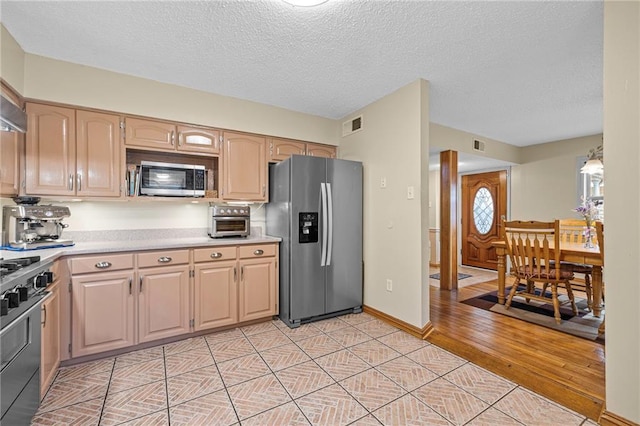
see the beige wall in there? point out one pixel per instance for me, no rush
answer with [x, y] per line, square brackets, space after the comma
[59, 81]
[447, 138]
[11, 60]
[391, 146]
[622, 248]
[434, 199]
[544, 185]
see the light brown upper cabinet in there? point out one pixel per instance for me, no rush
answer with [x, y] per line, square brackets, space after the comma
[244, 167]
[10, 145]
[166, 136]
[281, 149]
[71, 152]
[319, 150]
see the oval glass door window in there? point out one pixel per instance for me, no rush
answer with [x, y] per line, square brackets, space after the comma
[483, 210]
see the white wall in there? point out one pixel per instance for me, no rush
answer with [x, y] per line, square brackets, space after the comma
[622, 180]
[391, 146]
[434, 199]
[544, 185]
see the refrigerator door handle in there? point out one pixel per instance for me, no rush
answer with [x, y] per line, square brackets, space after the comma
[323, 192]
[330, 214]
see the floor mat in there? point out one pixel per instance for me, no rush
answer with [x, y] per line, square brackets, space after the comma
[584, 324]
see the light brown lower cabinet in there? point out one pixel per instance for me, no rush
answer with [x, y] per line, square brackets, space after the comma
[257, 296]
[216, 294]
[163, 302]
[115, 305]
[102, 312]
[50, 338]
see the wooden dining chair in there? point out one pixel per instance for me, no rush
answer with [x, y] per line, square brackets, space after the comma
[530, 248]
[572, 230]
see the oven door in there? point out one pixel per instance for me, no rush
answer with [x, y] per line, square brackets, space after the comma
[20, 368]
[230, 226]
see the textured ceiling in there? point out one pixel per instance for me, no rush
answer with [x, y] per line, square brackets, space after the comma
[520, 72]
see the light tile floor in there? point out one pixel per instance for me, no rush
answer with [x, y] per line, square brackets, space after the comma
[350, 370]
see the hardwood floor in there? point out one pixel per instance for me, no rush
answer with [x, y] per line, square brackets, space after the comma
[566, 369]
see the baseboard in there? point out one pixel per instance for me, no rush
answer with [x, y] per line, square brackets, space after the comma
[607, 418]
[420, 333]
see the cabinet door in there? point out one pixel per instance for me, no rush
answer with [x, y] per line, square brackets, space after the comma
[196, 139]
[244, 167]
[102, 312]
[281, 149]
[50, 339]
[257, 296]
[150, 134]
[216, 294]
[97, 154]
[319, 150]
[10, 163]
[163, 302]
[51, 150]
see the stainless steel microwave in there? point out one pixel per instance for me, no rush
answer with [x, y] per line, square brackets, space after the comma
[172, 180]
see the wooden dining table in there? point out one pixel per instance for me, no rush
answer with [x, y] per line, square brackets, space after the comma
[569, 252]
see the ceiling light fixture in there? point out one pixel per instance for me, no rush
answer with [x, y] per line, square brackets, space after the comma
[594, 164]
[305, 3]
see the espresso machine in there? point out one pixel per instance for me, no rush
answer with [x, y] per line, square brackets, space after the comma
[32, 226]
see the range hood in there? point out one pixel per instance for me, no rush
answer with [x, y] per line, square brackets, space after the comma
[12, 118]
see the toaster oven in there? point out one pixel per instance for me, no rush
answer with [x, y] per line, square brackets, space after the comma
[229, 221]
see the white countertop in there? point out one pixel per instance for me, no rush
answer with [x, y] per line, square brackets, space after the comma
[136, 245]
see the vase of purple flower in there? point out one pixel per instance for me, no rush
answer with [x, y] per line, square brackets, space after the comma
[589, 212]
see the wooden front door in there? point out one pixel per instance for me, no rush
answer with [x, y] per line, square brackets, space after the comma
[484, 202]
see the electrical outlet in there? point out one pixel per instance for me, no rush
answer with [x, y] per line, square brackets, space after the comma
[410, 193]
[389, 285]
[383, 183]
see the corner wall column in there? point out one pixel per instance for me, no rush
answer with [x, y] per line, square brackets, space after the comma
[448, 220]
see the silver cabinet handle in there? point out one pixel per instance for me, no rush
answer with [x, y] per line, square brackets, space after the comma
[44, 311]
[70, 181]
[130, 285]
[216, 255]
[173, 138]
[164, 259]
[264, 188]
[235, 274]
[258, 252]
[79, 182]
[103, 265]
[180, 138]
[242, 273]
[141, 278]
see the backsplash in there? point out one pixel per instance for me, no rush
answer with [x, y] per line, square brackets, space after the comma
[143, 234]
[172, 218]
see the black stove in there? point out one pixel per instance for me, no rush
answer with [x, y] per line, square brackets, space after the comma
[22, 284]
[9, 266]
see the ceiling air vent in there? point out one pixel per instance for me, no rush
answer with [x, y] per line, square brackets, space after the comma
[478, 145]
[352, 126]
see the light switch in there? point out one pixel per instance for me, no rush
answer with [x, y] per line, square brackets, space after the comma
[410, 193]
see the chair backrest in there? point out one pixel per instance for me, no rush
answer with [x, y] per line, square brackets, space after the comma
[572, 230]
[529, 246]
[600, 237]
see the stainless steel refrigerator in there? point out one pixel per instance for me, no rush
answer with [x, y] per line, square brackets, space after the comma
[315, 206]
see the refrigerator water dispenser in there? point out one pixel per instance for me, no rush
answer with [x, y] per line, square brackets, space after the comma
[308, 228]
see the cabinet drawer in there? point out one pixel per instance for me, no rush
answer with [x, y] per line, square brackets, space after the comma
[163, 257]
[214, 254]
[257, 250]
[103, 263]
